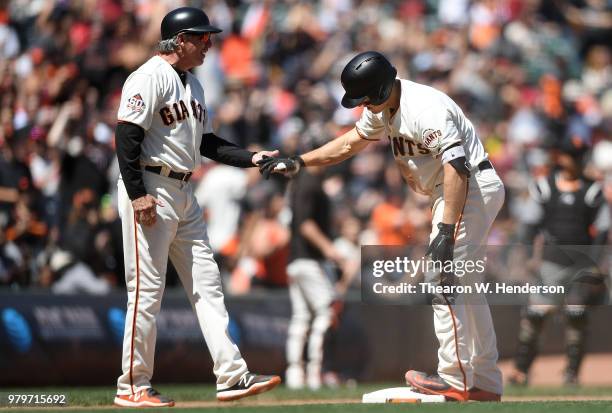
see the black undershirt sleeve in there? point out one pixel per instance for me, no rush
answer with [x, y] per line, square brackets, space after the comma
[128, 138]
[220, 150]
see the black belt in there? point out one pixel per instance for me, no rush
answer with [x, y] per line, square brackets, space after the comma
[175, 175]
[484, 165]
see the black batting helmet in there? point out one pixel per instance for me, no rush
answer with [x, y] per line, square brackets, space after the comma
[369, 75]
[186, 20]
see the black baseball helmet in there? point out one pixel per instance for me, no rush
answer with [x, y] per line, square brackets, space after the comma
[186, 20]
[369, 75]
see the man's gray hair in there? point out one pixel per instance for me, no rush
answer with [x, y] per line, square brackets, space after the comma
[168, 46]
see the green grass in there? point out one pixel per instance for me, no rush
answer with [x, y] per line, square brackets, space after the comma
[100, 397]
[558, 391]
[514, 407]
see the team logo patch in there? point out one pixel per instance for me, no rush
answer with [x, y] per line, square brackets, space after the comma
[431, 138]
[136, 103]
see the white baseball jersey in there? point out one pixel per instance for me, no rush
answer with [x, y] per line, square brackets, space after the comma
[174, 116]
[427, 123]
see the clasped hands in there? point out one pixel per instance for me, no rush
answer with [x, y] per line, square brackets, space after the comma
[287, 167]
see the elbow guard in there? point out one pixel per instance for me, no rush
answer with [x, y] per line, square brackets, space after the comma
[455, 155]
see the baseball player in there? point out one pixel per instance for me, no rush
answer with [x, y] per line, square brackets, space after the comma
[310, 289]
[571, 204]
[437, 150]
[163, 130]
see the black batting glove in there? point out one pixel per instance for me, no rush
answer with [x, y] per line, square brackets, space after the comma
[288, 167]
[441, 249]
[266, 164]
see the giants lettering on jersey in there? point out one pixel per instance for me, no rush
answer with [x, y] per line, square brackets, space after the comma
[178, 111]
[402, 146]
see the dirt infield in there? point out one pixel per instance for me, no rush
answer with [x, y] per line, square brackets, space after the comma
[301, 402]
[269, 403]
[548, 370]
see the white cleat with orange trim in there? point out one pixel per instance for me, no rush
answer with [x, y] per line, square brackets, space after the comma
[143, 398]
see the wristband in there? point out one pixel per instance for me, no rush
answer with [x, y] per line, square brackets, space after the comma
[446, 229]
[452, 153]
[298, 159]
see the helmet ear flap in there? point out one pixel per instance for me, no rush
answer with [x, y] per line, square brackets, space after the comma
[386, 87]
[381, 92]
[384, 91]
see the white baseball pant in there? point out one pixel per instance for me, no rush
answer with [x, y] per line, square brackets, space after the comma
[467, 356]
[179, 233]
[311, 294]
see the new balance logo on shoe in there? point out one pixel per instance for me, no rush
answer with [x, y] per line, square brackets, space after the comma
[248, 379]
[248, 385]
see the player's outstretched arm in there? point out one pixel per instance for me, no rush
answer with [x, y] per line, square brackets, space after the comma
[336, 151]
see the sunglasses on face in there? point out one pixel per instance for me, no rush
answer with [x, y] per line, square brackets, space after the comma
[202, 37]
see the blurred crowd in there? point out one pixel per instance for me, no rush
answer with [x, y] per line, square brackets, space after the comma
[528, 73]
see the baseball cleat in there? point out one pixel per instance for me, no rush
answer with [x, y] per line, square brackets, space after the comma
[480, 395]
[294, 377]
[570, 379]
[434, 384]
[248, 385]
[144, 398]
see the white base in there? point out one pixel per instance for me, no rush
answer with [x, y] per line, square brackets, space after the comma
[400, 395]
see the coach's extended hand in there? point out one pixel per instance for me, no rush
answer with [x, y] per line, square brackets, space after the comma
[288, 167]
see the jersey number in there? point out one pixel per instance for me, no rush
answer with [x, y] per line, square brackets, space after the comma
[402, 145]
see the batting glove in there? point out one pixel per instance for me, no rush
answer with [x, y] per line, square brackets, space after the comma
[288, 167]
[441, 250]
